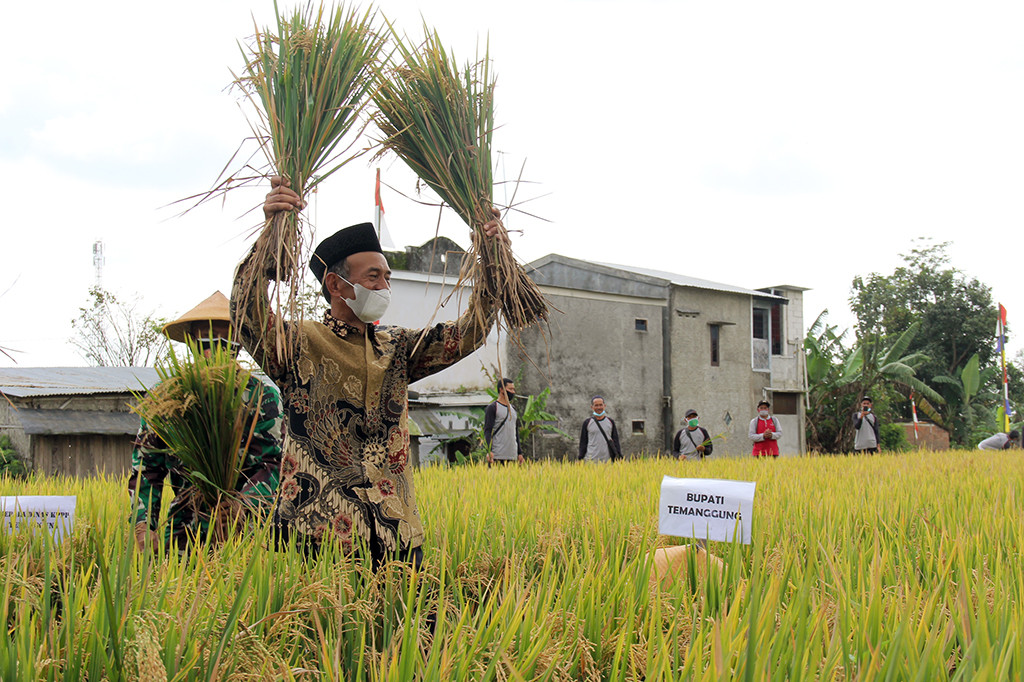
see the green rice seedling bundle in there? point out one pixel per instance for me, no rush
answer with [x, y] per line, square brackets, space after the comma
[891, 567]
[308, 80]
[439, 119]
[205, 413]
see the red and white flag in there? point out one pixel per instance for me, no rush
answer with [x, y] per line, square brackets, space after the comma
[378, 218]
[913, 408]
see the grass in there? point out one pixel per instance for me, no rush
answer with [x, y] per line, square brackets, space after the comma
[890, 567]
[203, 412]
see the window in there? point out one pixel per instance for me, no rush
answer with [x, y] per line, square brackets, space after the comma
[785, 403]
[640, 324]
[760, 346]
[638, 427]
[776, 330]
[715, 331]
[760, 323]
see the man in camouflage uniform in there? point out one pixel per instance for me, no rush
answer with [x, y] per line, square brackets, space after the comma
[208, 323]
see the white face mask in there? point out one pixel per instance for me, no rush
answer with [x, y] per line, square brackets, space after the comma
[763, 413]
[369, 304]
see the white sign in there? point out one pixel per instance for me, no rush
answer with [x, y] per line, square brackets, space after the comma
[706, 508]
[56, 513]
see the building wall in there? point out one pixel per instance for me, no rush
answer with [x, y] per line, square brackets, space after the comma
[787, 369]
[81, 455]
[929, 436]
[71, 454]
[592, 348]
[13, 430]
[418, 300]
[725, 396]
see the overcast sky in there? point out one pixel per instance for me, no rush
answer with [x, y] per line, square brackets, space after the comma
[748, 143]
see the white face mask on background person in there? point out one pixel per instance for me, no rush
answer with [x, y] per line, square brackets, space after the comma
[369, 304]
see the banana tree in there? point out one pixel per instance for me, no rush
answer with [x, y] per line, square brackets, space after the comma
[973, 402]
[837, 377]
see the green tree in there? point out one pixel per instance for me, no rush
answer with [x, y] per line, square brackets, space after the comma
[113, 333]
[956, 318]
[974, 400]
[828, 399]
[838, 377]
[955, 312]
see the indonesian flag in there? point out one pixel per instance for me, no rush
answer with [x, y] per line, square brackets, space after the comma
[378, 218]
[913, 408]
[1001, 347]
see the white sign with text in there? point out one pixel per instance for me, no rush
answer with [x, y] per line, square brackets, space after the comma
[57, 513]
[706, 508]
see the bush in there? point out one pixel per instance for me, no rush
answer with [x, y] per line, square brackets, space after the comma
[10, 465]
[893, 437]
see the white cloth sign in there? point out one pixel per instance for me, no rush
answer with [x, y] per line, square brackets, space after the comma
[56, 512]
[706, 508]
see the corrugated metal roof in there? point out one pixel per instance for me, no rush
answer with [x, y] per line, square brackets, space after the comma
[431, 422]
[71, 422]
[37, 381]
[685, 281]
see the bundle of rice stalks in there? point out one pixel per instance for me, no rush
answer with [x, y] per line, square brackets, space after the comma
[309, 82]
[205, 414]
[440, 121]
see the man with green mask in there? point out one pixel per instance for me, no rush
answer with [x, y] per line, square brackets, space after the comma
[692, 441]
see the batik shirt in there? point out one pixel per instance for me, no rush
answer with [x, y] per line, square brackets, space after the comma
[258, 484]
[346, 471]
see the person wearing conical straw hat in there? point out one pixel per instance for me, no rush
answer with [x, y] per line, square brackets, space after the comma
[345, 380]
[206, 325]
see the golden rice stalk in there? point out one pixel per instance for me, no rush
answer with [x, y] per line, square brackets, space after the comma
[309, 82]
[440, 121]
[205, 411]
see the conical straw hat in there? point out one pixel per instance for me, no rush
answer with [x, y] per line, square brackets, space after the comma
[213, 308]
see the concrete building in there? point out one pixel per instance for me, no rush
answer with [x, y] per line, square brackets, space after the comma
[72, 421]
[655, 344]
[442, 406]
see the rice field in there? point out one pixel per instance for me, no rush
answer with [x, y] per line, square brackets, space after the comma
[901, 567]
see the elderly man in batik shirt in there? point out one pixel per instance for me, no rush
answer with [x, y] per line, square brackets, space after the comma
[187, 517]
[346, 472]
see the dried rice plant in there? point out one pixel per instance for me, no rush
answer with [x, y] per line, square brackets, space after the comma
[309, 83]
[440, 121]
[205, 414]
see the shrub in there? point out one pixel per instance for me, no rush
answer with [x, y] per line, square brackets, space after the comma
[893, 437]
[10, 464]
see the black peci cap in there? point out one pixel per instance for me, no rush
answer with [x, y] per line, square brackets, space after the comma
[341, 245]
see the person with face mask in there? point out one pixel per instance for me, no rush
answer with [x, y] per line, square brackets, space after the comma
[206, 325]
[599, 438]
[345, 382]
[692, 441]
[765, 432]
[501, 426]
[865, 427]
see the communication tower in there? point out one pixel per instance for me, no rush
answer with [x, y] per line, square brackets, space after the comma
[98, 261]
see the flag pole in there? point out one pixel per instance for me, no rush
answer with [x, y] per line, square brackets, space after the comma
[377, 205]
[913, 408]
[1006, 381]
